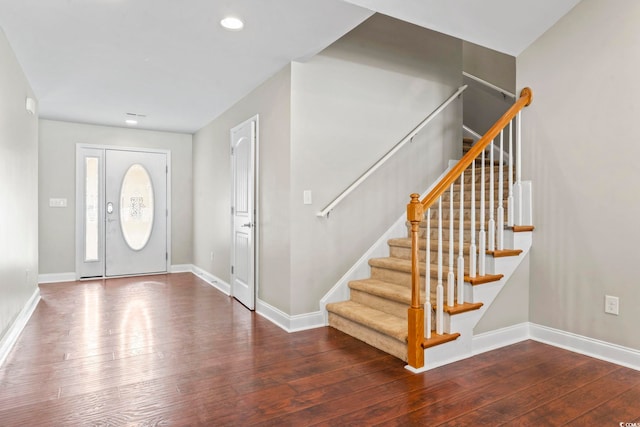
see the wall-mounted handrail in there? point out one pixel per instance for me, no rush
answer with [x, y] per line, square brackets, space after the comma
[489, 85]
[325, 212]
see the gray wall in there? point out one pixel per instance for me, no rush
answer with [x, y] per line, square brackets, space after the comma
[580, 149]
[57, 145]
[322, 123]
[483, 106]
[350, 105]
[18, 189]
[495, 67]
[212, 188]
[511, 305]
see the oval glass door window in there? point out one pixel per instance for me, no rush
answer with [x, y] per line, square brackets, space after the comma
[136, 207]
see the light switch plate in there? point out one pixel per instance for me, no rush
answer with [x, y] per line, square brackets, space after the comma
[306, 197]
[57, 203]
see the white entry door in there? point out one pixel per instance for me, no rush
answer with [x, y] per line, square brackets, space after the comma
[122, 223]
[135, 212]
[243, 212]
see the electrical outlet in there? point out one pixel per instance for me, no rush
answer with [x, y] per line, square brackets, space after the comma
[611, 305]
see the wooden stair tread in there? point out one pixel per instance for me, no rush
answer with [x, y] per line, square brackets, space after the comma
[405, 242]
[504, 253]
[462, 308]
[388, 290]
[404, 265]
[379, 321]
[439, 339]
[480, 280]
[522, 228]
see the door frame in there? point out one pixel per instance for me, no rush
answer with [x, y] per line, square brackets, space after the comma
[79, 202]
[256, 205]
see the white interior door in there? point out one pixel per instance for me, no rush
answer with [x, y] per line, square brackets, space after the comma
[243, 168]
[135, 210]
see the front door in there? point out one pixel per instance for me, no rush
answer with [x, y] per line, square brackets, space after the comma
[122, 212]
[136, 213]
[243, 147]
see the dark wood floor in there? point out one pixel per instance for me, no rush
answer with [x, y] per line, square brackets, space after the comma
[171, 350]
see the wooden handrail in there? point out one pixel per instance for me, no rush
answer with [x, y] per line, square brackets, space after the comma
[526, 96]
[415, 214]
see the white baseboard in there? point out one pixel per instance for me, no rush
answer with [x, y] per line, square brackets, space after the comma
[181, 268]
[500, 338]
[11, 336]
[295, 323]
[602, 350]
[598, 349]
[211, 279]
[71, 276]
[57, 277]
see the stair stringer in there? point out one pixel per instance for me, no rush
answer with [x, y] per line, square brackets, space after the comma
[464, 323]
[340, 291]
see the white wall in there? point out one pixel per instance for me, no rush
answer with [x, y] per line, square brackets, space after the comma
[57, 145]
[212, 188]
[581, 150]
[18, 189]
[350, 105]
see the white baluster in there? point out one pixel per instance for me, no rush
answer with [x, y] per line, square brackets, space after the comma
[491, 227]
[500, 213]
[427, 279]
[518, 186]
[472, 246]
[482, 236]
[451, 278]
[439, 287]
[510, 205]
[461, 244]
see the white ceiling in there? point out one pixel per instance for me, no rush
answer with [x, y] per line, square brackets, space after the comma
[93, 61]
[508, 26]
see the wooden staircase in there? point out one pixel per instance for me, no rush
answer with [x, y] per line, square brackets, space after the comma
[376, 312]
[455, 247]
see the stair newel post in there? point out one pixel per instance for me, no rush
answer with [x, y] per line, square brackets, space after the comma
[451, 278]
[510, 205]
[518, 185]
[500, 212]
[461, 244]
[472, 246]
[427, 280]
[491, 226]
[415, 352]
[482, 236]
[439, 287]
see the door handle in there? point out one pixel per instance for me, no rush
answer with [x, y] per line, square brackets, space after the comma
[247, 225]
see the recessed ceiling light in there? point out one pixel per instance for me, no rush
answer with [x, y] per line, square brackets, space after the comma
[131, 122]
[231, 23]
